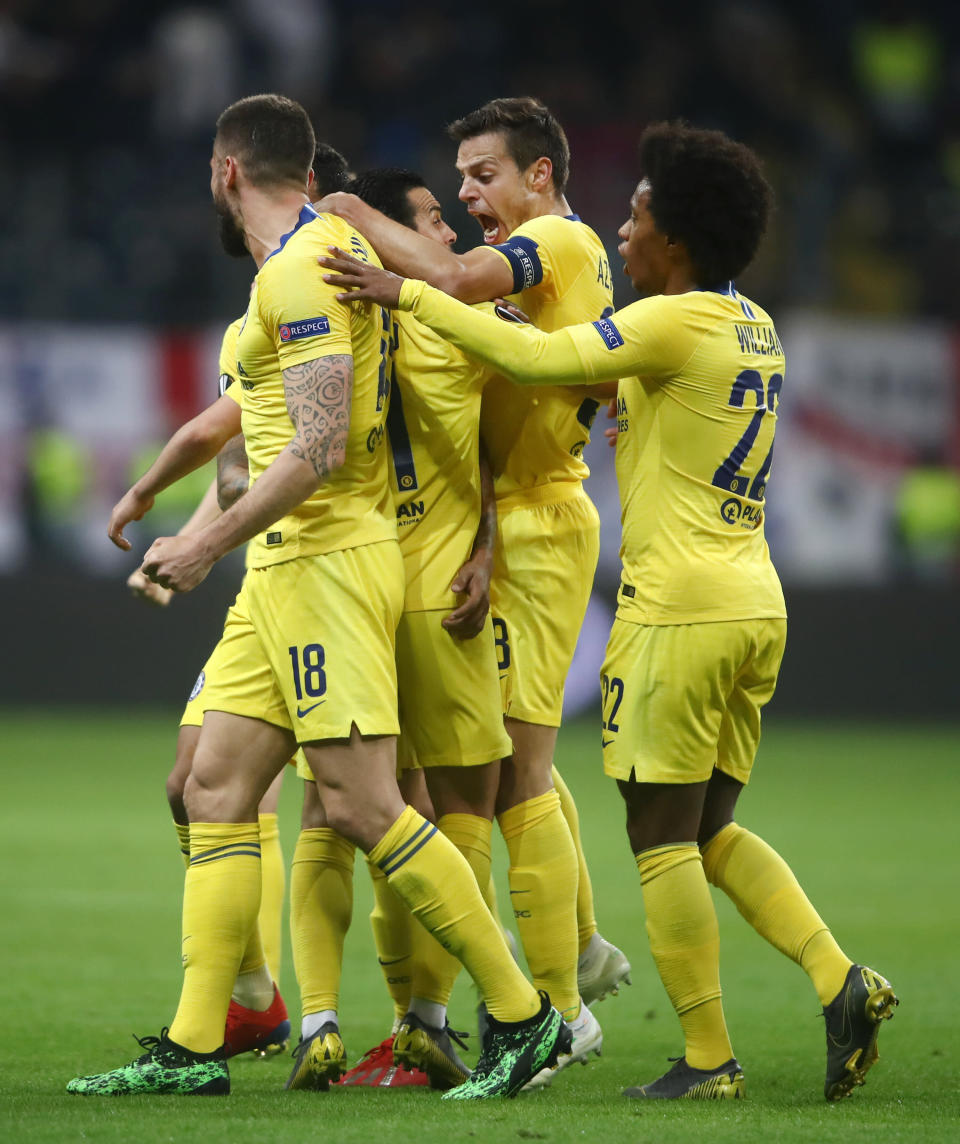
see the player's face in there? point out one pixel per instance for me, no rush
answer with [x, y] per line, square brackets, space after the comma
[494, 189]
[428, 218]
[232, 237]
[642, 247]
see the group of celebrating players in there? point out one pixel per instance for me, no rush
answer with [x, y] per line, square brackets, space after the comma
[402, 454]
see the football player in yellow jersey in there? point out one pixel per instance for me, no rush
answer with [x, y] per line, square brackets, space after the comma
[319, 610]
[257, 1017]
[449, 692]
[699, 633]
[514, 160]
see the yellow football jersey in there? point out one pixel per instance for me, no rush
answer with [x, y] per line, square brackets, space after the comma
[561, 276]
[433, 430]
[228, 361]
[695, 445]
[293, 318]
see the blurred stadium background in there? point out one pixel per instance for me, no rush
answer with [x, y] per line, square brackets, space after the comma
[114, 292]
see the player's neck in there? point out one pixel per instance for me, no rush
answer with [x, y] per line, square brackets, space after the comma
[679, 281]
[269, 214]
[540, 205]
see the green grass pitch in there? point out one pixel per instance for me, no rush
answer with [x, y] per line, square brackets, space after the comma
[90, 909]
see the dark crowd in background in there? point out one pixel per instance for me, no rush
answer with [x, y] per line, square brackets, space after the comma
[107, 110]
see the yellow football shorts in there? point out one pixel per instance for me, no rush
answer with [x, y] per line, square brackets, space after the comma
[309, 645]
[449, 695]
[679, 700]
[229, 661]
[545, 560]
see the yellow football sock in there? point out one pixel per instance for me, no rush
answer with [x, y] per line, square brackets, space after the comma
[221, 897]
[586, 921]
[543, 893]
[471, 835]
[183, 837]
[273, 876]
[434, 969]
[428, 872]
[392, 925]
[321, 906]
[685, 943]
[766, 892]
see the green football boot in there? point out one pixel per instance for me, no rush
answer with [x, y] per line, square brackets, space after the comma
[165, 1067]
[514, 1052]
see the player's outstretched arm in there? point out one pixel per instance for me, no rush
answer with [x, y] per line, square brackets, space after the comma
[190, 447]
[318, 395]
[630, 341]
[467, 619]
[478, 275]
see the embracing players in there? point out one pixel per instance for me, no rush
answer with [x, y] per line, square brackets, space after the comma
[696, 645]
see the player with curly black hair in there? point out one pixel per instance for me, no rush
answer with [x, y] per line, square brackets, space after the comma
[699, 633]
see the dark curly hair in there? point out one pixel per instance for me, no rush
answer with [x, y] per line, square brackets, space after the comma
[529, 128]
[707, 192]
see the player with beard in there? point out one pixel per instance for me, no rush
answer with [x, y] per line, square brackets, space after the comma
[257, 1018]
[313, 631]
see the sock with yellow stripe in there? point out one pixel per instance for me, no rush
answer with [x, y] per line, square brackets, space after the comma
[433, 878]
[183, 838]
[221, 898]
[586, 921]
[543, 893]
[685, 943]
[321, 907]
[273, 876]
[766, 892]
[434, 969]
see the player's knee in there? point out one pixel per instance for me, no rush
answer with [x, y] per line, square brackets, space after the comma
[217, 802]
[362, 817]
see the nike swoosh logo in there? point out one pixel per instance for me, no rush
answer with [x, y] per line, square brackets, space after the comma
[307, 710]
[519, 891]
[604, 743]
[393, 961]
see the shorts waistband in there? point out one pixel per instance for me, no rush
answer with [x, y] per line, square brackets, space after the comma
[557, 492]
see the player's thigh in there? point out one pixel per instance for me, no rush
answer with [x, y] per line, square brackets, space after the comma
[356, 779]
[547, 557]
[752, 690]
[664, 693]
[449, 695]
[328, 625]
[236, 760]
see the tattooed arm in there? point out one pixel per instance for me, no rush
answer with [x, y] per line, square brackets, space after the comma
[318, 401]
[318, 396]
